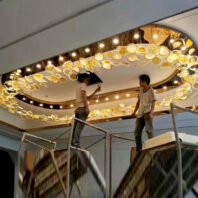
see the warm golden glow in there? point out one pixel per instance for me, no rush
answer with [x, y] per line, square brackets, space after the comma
[101, 45]
[115, 41]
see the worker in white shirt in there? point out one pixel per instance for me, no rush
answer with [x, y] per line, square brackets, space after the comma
[145, 106]
[82, 107]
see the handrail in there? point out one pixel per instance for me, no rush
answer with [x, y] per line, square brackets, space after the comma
[40, 138]
[184, 109]
[123, 138]
[178, 146]
[91, 125]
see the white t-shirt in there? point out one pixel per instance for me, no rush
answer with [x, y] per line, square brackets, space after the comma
[79, 101]
[146, 99]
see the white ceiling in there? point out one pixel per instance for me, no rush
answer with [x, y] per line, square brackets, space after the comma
[186, 22]
[21, 19]
[119, 78]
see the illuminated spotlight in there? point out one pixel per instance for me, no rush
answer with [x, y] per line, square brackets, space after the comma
[155, 36]
[115, 41]
[11, 77]
[49, 62]
[172, 41]
[19, 71]
[106, 99]
[136, 36]
[23, 98]
[117, 97]
[165, 87]
[31, 102]
[60, 106]
[61, 58]
[97, 101]
[28, 69]
[128, 95]
[183, 48]
[38, 66]
[51, 106]
[41, 105]
[101, 45]
[73, 54]
[175, 82]
[71, 105]
[87, 50]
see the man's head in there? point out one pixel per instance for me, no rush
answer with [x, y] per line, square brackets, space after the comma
[144, 80]
[84, 78]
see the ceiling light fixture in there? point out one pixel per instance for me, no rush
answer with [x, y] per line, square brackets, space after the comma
[115, 41]
[164, 87]
[38, 66]
[97, 101]
[19, 71]
[136, 36]
[117, 97]
[128, 95]
[31, 102]
[155, 36]
[172, 41]
[107, 99]
[49, 62]
[71, 105]
[41, 105]
[51, 106]
[61, 58]
[87, 50]
[28, 69]
[101, 45]
[60, 106]
[73, 54]
[23, 98]
[175, 82]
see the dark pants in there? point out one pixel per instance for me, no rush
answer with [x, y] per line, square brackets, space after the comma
[140, 124]
[78, 126]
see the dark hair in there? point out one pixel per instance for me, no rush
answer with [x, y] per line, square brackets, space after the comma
[81, 77]
[145, 78]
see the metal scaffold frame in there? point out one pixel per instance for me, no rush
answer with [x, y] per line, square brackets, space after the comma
[24, 138]
[65, 188]
[69, 147]
[178, 146]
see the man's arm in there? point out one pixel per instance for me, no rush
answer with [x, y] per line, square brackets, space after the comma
[152, 108]
[136, 107]
[84, 99]
[93, 94]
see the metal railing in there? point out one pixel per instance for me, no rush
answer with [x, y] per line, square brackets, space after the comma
[111, 136]
[178, 146]
[24, 138]
[105, 132]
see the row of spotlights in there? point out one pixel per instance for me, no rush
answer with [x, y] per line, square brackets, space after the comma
[87, 50]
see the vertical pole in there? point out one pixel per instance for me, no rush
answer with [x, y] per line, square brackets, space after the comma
[106, 163]
[110, 166]
[58, 172]
[19, 164]
[179, 154]
[68, 157]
